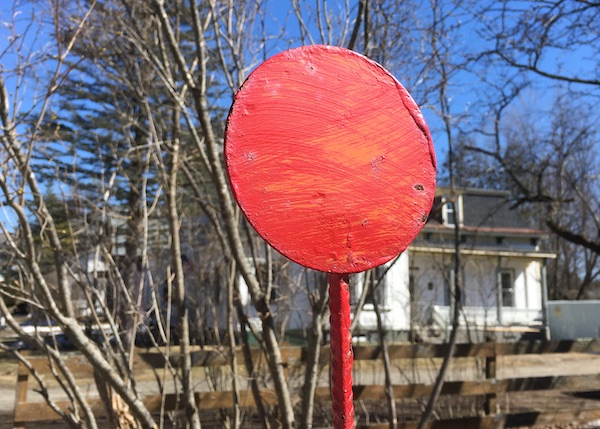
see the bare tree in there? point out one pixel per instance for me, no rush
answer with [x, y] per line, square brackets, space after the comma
[541, 37]
[534, 44]
[551, 167]
[129, 106]
[22, 195]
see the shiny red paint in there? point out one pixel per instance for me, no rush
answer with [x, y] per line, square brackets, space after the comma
[330, 159]
[341, 351]
[332, 163]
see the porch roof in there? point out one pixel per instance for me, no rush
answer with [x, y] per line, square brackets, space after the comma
[487, 230]
[482, 251]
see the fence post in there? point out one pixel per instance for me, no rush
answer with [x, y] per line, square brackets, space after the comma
[21, 393]
[491, 399]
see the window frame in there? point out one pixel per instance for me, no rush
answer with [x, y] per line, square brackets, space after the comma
[507, 294]
[449, 213]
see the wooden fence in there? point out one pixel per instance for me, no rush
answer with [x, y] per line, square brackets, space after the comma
[490, 389]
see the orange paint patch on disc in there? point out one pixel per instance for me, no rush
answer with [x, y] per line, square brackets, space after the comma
[330, 159]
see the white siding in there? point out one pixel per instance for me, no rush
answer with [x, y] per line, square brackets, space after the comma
[396, 298]
[395, 305]
[431, 273]
[534, 285]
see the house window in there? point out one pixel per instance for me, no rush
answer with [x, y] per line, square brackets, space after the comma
[436, 215]
[507, 285]
[449, 213]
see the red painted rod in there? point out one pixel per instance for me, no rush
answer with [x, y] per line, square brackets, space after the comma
[341, 351]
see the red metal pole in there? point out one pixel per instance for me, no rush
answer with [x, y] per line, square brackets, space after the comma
[341, 351]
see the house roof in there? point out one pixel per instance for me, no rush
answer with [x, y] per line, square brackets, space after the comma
[488, 226]
[483, 211]
[421, 247]
[491, 211]
[489, 230]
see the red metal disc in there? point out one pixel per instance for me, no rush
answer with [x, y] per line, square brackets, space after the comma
[330, 159]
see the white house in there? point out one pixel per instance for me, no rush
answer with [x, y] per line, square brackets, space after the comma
[502, 269]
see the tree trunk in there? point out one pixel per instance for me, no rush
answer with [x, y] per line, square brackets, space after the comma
[232, 346]
[191, 409]
[387, 367]
[319, 301]
[250, 366]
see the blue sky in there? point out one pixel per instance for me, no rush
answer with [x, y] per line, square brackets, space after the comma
[467, 93]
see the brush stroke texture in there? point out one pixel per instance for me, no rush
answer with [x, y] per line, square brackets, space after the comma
[330, 159]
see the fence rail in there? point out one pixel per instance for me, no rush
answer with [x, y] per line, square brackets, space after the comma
[489, 386]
